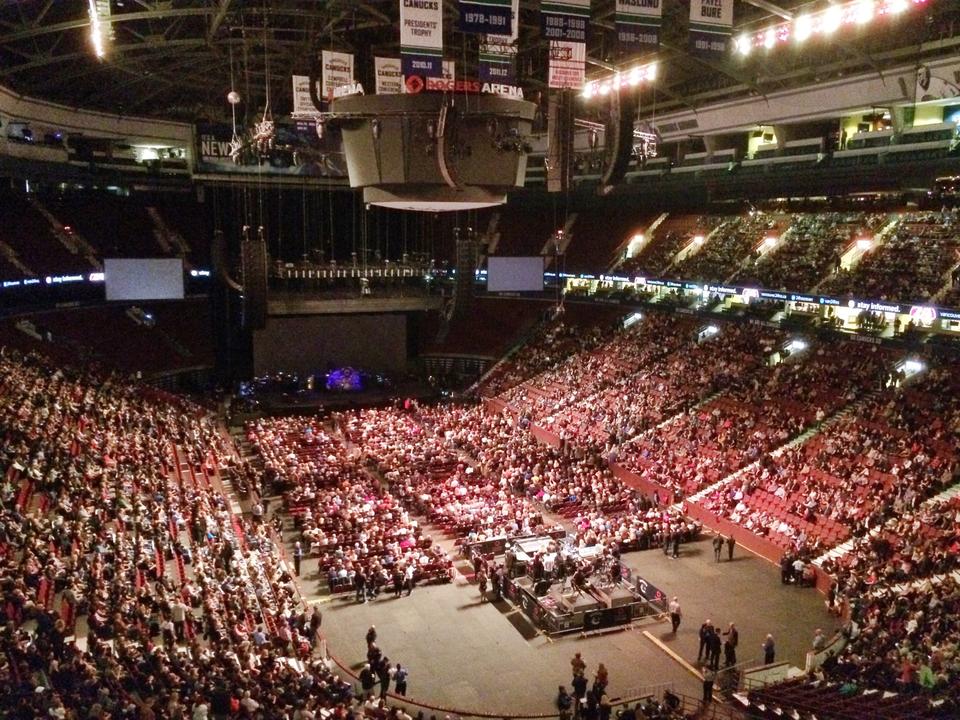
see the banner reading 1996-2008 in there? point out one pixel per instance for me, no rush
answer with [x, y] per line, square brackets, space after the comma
[421, 37]
[498, 53]
[486, 16]
[564, 20]
[638, 24]
[710, 26]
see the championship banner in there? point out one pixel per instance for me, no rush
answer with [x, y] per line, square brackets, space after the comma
[421, 37]
[567, 65]
[711, 23]
[389, 77]
[337, 71]
[498, 53]
[565, 20]
[486, 16]
[638, 24]
[449, 70]
[302, 103]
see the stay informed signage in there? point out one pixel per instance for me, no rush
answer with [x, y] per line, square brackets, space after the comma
[638, 24]
[565, 20]
[486, 16]
[711, 22]
[421, 37]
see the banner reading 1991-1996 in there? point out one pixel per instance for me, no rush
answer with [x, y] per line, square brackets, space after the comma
[710, 27]
[638, 24]
[486, 16]
[421, 37]
[498, 53]
[564, 20]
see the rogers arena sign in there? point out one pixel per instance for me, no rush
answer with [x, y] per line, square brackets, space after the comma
[432, 84]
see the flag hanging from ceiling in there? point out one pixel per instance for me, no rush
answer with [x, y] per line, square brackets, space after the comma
[486, 16]
[389, 77]
[421, 37]
[565, 20]
[337, 71]
[711, 23]
[567, 65]
[498, 53]
[638, 24]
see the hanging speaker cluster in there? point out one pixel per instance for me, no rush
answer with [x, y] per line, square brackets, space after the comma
[618, 137]
[253, 261]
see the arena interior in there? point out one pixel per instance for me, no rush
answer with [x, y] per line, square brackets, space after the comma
[438, 360]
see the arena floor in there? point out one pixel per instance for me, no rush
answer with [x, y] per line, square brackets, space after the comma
[464, 655]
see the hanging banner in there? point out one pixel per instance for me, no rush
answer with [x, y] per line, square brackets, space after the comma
[564, 20]
[567, 65]
[498, 53]
[711, 23]
[389, 77]
[638, 24]
[337, 71]
[421, 37]
[303, 106]
[486, 16]
[449, 71]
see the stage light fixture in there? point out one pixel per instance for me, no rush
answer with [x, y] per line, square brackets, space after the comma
[633, 77]
[803, 28]
[96, 29]
[744, 44]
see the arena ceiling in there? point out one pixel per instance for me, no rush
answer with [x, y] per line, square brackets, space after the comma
[172, 58]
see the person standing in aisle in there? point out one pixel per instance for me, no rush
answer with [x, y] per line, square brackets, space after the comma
[297, 557]
[769, 650]
[400, 680]
[717, 546]
[731, 544]
[709, 675]
[675, 614]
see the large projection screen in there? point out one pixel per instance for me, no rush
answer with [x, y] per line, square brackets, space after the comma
[515, 274]
[143, 278]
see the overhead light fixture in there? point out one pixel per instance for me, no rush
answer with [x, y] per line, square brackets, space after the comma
[632, 77]
[802, 28]
[96, 29]
[744, 44]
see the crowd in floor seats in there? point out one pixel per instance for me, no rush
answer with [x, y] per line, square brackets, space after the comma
[912, 264]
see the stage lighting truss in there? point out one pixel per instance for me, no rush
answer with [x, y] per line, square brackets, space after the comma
[825, 23]
[634, 77]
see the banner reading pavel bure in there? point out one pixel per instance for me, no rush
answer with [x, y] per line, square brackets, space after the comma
[421, 37]
[638, 24]
[389, 76]
[486, 16]
[337, 71]
[710, 27]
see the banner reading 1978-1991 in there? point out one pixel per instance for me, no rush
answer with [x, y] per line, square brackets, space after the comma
[638, 24]
[421, 37]
[710, 27]
[486, 16]
[498, 53]
[564, 20]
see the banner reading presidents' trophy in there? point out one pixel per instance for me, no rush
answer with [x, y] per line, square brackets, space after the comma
[710, 27]
[486, 16]
[498, 53]
[389, 76]
[337, 71]
[565, 20]
[638, 24]
[421, 37]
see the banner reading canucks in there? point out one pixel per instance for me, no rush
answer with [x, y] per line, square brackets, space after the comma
[638, 24]
[486, 16]
[564, 20]
[498, 53]
[710, 27]
[421, 37]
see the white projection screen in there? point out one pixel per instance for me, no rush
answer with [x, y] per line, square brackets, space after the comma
[515, 274]
[143, 278]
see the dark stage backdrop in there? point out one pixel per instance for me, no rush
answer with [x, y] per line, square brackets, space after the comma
[304, 344]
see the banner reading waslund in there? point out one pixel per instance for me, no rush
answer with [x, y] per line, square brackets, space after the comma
[421, 37]
[389, 76]
[710, 26]
[486, 16]
[564, 19]
[638, 24]
[498, 53]
[337, 71]
[567, 65]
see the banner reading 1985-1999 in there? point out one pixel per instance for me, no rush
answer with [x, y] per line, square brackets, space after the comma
[710, 27]
[486, 16]
[564, 20]
[498, 53]
[421, 37]
[638, 24]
